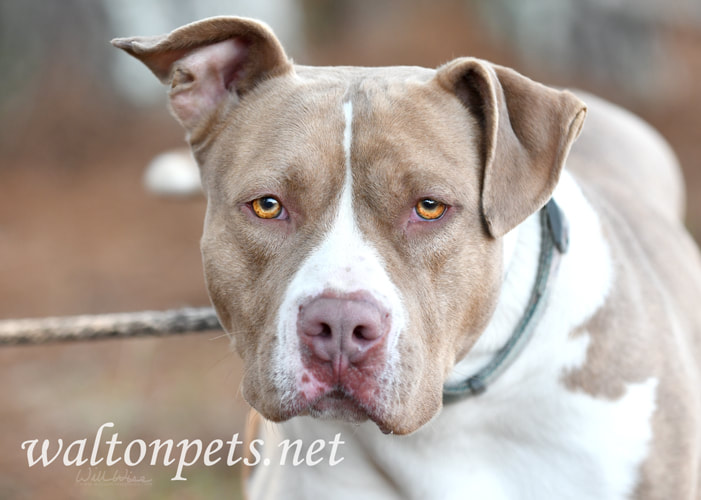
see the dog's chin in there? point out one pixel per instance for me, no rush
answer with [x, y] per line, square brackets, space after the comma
[337, 406]
[341, 406]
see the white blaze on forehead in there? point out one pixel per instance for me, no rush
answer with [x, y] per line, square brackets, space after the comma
[347, 138]
[345, 262]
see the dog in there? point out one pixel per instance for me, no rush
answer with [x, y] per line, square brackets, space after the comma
[454, 256]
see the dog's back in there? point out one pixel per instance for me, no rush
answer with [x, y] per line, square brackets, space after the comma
[626, 158]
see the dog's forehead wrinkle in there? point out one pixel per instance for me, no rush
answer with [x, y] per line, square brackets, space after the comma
[283, 136]
[297, 121]
[409, 142]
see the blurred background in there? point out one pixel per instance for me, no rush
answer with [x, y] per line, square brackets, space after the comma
[79, 121]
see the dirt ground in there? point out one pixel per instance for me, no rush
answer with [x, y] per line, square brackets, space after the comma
[78, 234]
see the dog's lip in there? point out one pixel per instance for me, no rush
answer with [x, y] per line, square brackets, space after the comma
[336, 403]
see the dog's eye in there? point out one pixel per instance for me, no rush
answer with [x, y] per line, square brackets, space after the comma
[267, 207]
[429, 209]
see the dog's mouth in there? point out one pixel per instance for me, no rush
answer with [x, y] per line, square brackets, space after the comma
[339, 404]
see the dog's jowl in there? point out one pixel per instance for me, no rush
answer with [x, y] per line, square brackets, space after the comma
[485, 294]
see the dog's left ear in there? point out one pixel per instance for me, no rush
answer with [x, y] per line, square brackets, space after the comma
[526, 133]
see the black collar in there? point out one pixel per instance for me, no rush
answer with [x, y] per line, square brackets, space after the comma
[554, 241]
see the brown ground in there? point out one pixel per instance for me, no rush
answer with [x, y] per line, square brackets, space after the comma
[78, 234]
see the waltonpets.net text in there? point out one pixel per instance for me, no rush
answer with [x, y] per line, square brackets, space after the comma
[186, 452]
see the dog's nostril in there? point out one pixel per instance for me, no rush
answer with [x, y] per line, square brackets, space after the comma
[325, 331]
[358, 333]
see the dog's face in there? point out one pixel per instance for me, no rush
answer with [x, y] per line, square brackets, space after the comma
[352, 275]
[352, 243]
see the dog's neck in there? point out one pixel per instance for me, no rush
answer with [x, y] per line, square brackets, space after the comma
[521, 254]
[521, 249]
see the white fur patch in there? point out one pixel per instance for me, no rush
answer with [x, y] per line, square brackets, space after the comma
[344, 263]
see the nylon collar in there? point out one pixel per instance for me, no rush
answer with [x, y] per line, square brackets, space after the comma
[554, 242]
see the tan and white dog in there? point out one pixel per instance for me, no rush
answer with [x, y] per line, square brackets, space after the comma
[376, 243]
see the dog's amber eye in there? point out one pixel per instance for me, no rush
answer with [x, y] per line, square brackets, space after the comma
[429, 209]
[266, 207]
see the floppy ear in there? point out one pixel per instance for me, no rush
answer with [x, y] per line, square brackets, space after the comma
[527, 130]
[209, 62]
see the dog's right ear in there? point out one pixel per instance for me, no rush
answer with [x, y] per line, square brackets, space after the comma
[209, 62]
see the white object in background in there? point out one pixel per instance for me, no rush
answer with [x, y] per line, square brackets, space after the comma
[173, 173]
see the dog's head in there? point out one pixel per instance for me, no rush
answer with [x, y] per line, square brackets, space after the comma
[352, 244]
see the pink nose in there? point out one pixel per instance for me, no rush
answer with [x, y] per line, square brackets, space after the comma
[343, 331]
